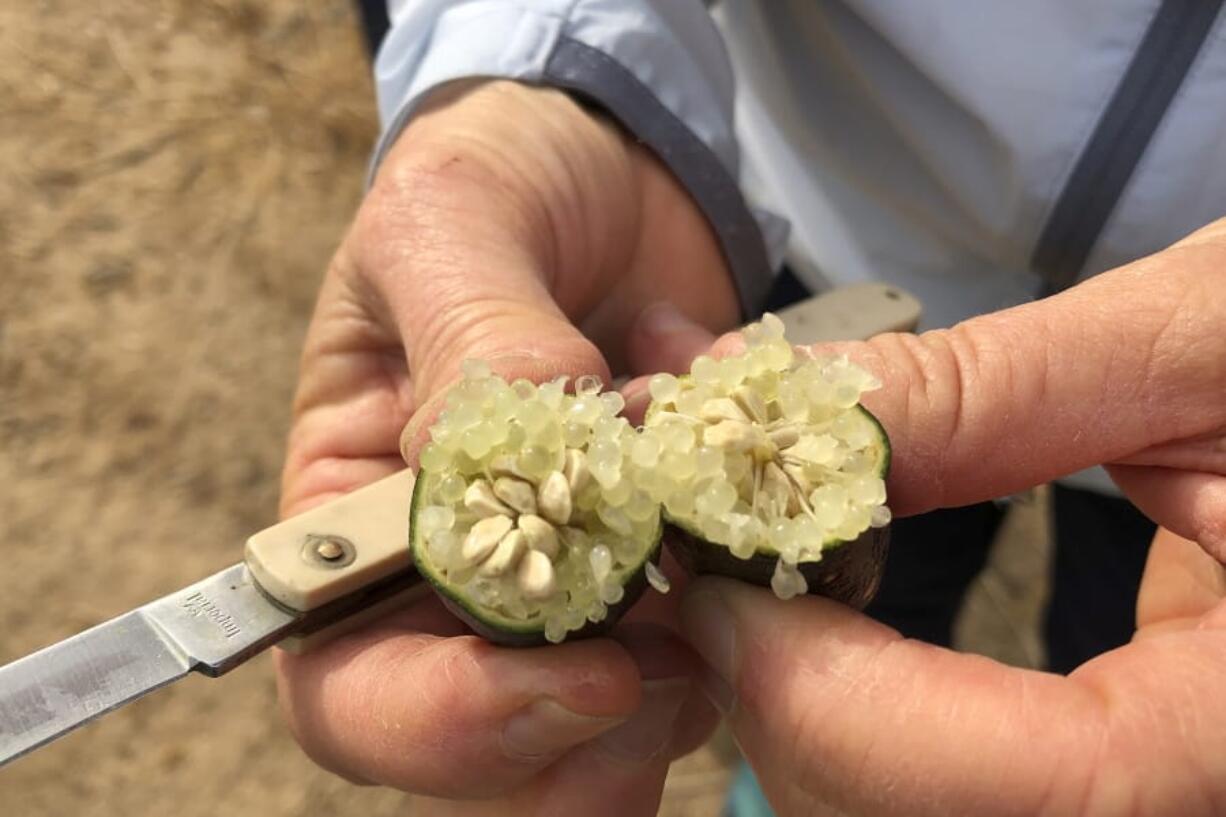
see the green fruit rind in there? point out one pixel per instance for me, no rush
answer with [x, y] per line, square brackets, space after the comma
[848, 572]
[504, 630]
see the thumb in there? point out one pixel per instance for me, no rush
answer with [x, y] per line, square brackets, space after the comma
[837, 711]
[479, 241]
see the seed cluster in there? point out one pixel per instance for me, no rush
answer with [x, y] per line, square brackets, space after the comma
[770, 452]
[532, 505]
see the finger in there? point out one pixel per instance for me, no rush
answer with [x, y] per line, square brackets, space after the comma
[1123, 362]
[665, 339]
[1191, 503]
[622, 772]
[835, 709]
[1181, 583]
[459, 237]
[451, 716]
[352, 399]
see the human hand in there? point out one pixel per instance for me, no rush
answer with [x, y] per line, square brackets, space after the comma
[507, 224]
[838, 713]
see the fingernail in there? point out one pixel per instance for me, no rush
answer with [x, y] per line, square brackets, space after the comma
[662, 318]
[649, 730]
[546, 728]
[708, 625]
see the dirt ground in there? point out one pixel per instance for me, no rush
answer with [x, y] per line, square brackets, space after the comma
[174, 175]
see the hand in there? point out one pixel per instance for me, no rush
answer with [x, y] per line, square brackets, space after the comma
[511, 225]
[840, 714]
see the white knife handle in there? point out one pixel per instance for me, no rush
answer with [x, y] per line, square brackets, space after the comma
[337, 548]
[855, 312]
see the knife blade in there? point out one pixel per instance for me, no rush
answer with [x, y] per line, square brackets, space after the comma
[303, 582]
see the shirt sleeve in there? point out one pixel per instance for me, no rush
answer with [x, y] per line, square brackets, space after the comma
[657, 66]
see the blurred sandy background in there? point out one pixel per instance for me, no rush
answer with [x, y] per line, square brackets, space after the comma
[174, 175]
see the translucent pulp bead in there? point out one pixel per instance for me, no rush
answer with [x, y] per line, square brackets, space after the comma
[534, 462]
[607, 427]
[708, 461]
[705, 369]
[717, 499]
[656, 578]
[616, 519]
[612, 593]
[612, 402]
[434, 457]
[450, 489]
[524, 389]
[574, 435]
[619, 493]
[465, 414]
[846, 395]
[640, 508]
[867, 490]
[680, 503]
[690, 402]
[787, 581]
[818, 449]
[645, 452]
[677, 436]
[476, 442]
[732, 371]
[550, 394]
[604, 462]
[585, 409]
[588, 384]
[444, 547]
[436, 518]
[555, 629]
[601, 560]
[678, 466]
[772, 326]
[664, 388]
[880, 516]
[777, 354]
[533, 415]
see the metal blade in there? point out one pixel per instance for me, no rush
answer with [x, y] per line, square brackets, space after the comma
[209, 627]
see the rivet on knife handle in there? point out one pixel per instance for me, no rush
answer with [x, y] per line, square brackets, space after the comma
[337, 548]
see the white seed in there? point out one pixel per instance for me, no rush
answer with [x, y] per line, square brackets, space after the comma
[510, 550]
[784, 436]
[600, 558]
[504, 465]
[577, 474]
[731, 436]
[536, 577]
[483, 538]
[722, 408]
[540, 534]
[516, 493]
[776, 488]
[554, 498]
[479, 498]
[751, 403]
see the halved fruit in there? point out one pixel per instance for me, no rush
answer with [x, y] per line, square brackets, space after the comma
[778, 474]
[527, 516]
